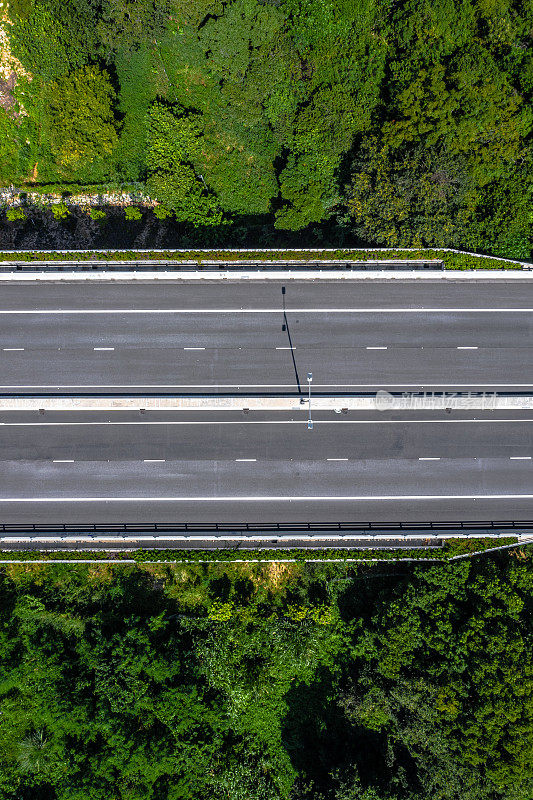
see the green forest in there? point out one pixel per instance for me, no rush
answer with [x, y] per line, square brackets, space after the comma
[383, 681]
[395, 122]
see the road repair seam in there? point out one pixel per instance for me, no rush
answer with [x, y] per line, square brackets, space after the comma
[296, 310]
[248, 421]
[266, 499]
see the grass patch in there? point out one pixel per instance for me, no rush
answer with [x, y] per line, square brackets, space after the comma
[450, 549]
[456, 261]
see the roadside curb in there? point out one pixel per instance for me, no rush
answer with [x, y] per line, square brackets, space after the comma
[119, 543]
[449, 275]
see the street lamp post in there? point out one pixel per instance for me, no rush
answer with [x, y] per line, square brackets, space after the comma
[309, 419]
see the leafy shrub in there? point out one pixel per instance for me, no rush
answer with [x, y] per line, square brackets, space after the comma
[97, 214]
[60, 211]
[173, 148]
[161, 213]
[132, 214]
[220, 612]
[81, 128]
[9, 148]
[15, 214]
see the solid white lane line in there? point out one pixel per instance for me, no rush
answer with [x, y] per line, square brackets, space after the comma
[520, 458]
[429, 458]
[12, 349]
[296, 310]
[267, 498]
[467, 347]
[246, 459]
[103, 348]
[442, 386]
[154, 460]
[377, 348]
[194, 348]
[285, 348]
[270, 422]
[63, 461]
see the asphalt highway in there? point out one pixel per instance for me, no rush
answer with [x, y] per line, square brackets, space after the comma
[201, 338]
[228, 467]
[264, 467]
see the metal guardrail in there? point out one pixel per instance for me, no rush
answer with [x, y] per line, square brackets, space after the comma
[211, 266]
[492, 526]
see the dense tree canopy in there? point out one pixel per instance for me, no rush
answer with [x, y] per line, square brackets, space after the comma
[276, 682]
[401, 122]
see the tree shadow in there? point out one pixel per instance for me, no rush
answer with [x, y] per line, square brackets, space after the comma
[40, 231]
[320, 740]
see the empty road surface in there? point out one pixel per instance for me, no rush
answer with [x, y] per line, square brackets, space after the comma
[193, 338]
[261, 467]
